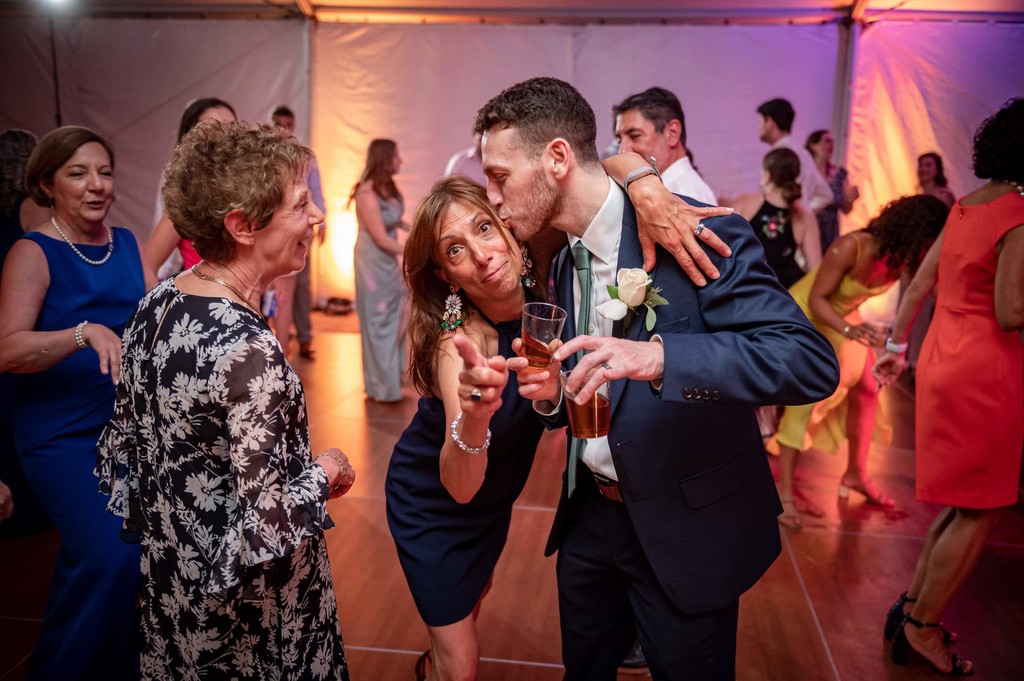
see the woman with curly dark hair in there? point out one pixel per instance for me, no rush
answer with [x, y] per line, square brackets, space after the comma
[970, 400]
[858, 266]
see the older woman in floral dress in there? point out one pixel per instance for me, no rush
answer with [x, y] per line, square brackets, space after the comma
[207, 456]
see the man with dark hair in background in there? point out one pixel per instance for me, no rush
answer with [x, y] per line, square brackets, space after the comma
[652, 124]
[776, 122]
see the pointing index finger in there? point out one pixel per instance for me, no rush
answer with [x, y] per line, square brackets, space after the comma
[467, 351]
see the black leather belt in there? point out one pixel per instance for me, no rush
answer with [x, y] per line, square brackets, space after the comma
[607, 488]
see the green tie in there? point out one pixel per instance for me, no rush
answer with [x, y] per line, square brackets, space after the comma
[581, 259]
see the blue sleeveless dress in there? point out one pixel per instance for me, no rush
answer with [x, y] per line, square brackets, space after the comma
[448, 550]
[58, 416]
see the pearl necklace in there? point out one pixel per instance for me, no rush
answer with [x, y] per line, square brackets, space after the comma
[110, 243]
[218, 280]
[1016, 185]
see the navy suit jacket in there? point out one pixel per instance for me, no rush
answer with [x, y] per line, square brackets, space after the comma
[690, 458]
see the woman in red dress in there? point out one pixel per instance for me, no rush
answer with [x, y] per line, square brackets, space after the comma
[970, 401]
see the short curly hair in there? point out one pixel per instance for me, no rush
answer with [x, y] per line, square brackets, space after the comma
[221, 167]
[906, 228]
[999, 144]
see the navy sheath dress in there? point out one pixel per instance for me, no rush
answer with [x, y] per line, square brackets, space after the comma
[448, 550]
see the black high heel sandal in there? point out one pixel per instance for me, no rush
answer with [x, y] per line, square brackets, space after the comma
[895, 618]
[901, 650]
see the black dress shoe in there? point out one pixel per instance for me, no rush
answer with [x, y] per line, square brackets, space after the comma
[306, 350]
[635, 662]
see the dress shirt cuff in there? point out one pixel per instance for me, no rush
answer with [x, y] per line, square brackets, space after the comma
[657, 383]
[548, 408]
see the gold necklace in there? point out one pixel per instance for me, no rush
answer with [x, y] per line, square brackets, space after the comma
[218, 280]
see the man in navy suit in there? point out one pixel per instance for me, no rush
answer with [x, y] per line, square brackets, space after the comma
[672, 516]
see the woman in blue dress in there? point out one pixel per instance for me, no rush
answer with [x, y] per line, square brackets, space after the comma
[459, 466]
[68, 289]
[464, 459]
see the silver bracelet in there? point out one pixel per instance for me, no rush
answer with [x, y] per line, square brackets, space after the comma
[79, 338]
[895, 348]
[462, 445]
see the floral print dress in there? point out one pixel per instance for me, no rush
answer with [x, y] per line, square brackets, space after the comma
[774, 230]
[207, 459]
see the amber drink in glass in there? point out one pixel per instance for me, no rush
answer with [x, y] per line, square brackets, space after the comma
[592, 418]
[542, 327]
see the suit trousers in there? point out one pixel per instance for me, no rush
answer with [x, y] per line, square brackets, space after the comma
[608, 594]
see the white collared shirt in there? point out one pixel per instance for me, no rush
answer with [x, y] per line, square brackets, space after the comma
[682, 178]
[467, 164]
[601, 238]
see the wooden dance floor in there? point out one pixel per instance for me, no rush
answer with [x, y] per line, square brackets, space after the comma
[816, 615]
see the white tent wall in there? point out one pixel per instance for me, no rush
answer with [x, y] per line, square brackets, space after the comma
[918, 86]
[720, 74]
[422, 86]
[27, 96]
[921, 87]
[130, 80]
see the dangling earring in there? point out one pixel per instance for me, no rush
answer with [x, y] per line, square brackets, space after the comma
[526, 272]
[452, 317]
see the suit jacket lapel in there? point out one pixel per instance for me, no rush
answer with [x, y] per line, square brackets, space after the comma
[630, 256]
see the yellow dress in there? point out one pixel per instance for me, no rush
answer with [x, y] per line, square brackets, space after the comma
[828, 418]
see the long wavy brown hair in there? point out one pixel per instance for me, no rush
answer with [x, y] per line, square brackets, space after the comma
[421, 263]
[380, 164]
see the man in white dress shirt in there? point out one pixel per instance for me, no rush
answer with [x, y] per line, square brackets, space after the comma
[467, 163]
[652, 123]
[775, 123]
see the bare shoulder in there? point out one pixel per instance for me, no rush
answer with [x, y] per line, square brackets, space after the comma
[845, 247]
[26, 253]
[26, 268]
[747, 204]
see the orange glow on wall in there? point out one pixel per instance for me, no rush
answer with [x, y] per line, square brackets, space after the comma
[336, 274]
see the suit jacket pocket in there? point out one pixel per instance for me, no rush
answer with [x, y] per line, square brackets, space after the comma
[715, 483]
[680, 325]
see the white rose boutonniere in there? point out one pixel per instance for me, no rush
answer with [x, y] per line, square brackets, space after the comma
[634, 289]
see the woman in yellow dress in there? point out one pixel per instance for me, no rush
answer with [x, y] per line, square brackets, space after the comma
[858, 266]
